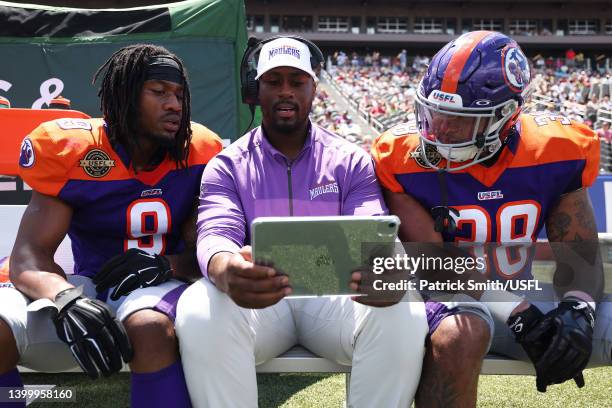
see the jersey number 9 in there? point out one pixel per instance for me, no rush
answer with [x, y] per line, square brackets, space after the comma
[148, 221]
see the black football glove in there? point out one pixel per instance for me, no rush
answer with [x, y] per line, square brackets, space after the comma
[533, 336]
[96, 339]
[131, 270]
[571, 343]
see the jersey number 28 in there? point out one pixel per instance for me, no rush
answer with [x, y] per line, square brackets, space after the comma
[516, 222]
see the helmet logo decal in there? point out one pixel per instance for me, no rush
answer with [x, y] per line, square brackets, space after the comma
[446, 99]
[443, 97]
[516, 68]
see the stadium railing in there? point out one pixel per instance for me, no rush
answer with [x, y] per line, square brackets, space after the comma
[542, 101]
[603, 115]
[365, 115]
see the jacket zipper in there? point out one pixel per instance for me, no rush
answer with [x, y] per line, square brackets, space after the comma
[290, 189]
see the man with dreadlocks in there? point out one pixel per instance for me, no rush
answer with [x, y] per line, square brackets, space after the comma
[124, 188]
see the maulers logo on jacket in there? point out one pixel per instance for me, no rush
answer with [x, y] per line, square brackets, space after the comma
[323, 189]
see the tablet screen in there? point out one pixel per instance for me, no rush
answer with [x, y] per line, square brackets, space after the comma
[320, 253]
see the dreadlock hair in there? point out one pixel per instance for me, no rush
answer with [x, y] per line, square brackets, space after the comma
[123, 76]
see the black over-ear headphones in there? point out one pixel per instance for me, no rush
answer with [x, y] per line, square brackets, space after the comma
[249, 86]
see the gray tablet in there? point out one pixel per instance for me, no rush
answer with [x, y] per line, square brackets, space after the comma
[319, 253]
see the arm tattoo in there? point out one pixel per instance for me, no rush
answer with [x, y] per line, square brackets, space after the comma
[584, 215]
[558, 226]
[437, 390]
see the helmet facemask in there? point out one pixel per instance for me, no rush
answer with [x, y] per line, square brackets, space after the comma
[461, 135]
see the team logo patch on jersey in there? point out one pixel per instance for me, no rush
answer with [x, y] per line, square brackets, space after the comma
[96, 163]
[26, 156]
[516, 68]
[433, 156]
[323, 189]
[490, 195]
[70, 123]
[152, 192]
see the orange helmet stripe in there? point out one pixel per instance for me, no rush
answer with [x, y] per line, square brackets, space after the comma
[459, 59]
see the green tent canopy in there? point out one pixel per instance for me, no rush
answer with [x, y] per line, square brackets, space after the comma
[48, 51]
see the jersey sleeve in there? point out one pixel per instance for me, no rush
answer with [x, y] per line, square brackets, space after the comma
[386, 154]
[364, 196]
[557, 139]
[205, 144]
[588, 142]
[45, 159]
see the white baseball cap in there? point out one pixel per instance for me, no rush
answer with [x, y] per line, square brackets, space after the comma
[284, 52]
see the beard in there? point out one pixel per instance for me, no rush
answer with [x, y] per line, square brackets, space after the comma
[153, 133]
[288, 126]
[164, 142]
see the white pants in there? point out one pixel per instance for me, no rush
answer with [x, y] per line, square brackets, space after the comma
[35, 335]
[222, 343]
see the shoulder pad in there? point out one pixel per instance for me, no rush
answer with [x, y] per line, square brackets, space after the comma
[404, 128]
[72, 123]
[205, 144]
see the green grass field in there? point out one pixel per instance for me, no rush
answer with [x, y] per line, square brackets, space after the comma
[327, 390]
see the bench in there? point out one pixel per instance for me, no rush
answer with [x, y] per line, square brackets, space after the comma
[300, 360]
[296, 360]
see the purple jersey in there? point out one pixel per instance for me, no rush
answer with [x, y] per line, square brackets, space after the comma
[507, 202]
[114, 208]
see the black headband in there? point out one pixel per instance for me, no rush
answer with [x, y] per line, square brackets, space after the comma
[165, 68]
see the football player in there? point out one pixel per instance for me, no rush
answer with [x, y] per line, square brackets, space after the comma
[489, 173]
[124, 188]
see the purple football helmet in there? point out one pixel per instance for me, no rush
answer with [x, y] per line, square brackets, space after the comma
[472, 93]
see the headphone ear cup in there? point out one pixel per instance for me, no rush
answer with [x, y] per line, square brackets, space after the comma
[251, 95]
[316, 55]
[249, 86]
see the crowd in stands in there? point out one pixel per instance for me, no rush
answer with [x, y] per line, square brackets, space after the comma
[381, 89]
[327, 114]
[579, 93]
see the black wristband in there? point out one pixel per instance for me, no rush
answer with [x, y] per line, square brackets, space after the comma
[67, 296]
[520, 322]
[586, 310]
